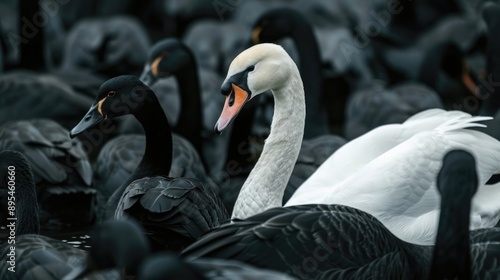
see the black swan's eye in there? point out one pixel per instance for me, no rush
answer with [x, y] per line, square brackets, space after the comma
[111, 94]
[250, 68]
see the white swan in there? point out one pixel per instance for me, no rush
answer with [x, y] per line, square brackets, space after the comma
[360, 151]
[255, 70]
[397, 185]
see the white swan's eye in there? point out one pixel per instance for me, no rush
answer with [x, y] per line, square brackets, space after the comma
[250, 68]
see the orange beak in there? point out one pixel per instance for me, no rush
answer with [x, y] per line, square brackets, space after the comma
[232, 106]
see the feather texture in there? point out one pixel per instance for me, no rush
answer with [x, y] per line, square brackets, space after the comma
[314, 241]
[168, 207]
[61, 168]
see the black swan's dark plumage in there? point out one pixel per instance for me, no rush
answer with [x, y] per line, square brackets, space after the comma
[444, 69]
[313, 153]
[108, 46]
[215, 44]
[62, 170]
[173, 211]
[438, 58]
[121, 155]
[114, 244]
[347, 242]
[24, 187]
[378, 105]
[153, 200]
[40, 257]
[117, 160]
[166, 266]
[26, 95]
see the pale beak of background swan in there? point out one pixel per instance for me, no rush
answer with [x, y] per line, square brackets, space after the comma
[147, 76]
[151, 72]
[236, 98]
[92, 118]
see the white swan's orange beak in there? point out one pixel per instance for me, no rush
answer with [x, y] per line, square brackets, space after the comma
[232, 106]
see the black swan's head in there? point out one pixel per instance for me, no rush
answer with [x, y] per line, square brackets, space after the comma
[118, 96]
[457, 179]
[166, 58]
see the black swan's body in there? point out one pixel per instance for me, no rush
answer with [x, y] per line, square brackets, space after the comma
[62, 171]
[348, 243]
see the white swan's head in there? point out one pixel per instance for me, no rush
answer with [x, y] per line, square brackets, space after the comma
[255, 70]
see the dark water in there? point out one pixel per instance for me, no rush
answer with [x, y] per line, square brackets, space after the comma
[78, 238]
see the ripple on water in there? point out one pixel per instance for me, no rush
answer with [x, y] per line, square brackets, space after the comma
[77, 238]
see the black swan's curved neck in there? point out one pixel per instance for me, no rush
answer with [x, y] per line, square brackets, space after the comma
[157, 159]
[451, 259]
[190, 119]
[311, 71]
[31, 36]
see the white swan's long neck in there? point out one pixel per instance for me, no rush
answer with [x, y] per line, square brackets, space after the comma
[266, 184]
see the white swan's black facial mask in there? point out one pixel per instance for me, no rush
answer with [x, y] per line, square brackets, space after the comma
[237, 94]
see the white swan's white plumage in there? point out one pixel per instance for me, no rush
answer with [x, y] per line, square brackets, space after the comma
[360, 151]
[274, 70]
